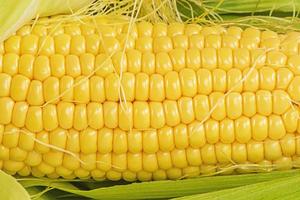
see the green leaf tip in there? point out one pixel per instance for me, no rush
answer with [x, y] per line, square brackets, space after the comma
[10, 189]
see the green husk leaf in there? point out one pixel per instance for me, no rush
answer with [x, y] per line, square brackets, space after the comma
[164, 189]
[15, 13]
[10, 189]
[283, 188]
[234, 6]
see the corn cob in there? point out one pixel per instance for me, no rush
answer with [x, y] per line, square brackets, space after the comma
[164, 102]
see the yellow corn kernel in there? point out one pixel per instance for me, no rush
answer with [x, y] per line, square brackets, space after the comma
[119, 62]
[242, 129]
[230, 41]
[19, 87]
[34, 119]
[5, 85]
[177, 57]
[181, 136]
[290, 120]
[128, 83]
[58, 138]
[288, 145]
[73, 141]
[66, 88]
[204, 81]
[165, 139]
[10, 64]
[172, 85]
[272, 149]
[157, 117]
[104, 162]
[251, 76]
[12, 44]
[225, 58]
[172, 115]
[12, 166]
[51, 89]
[50, 120]
[227, 134]
[119, 162]
[223, 153]
[293, 89]
[135, 143]
[142, 87]
[260, 129]
[57, 64]
[219, 80]
[88, 161]
[41, 146]
[276, 127]
[141, 115]
[53, 158]
[80, 117]
[17, 154]
[249, 104]
[180, 41]
[164, 160]
[71, 162]
[239, 152]
[25, 171]
[6, 107]
[150, 142]
[134, 59]
[267, 78]
[145, 29]
[234, 105]
[179, 158]
[193, 59]
[186, 111]
[209, 58]
[201, 106]
[255, 151]
[156, 88]
[105, 140]
[97, 89]
[241, 58]
[88, 141]
[4, 153]
[163, 63]
[149, 162]
[81, 90]
[212, 131]
[217, 102]
[283, 78]
[95, 115]
[196, 134]
[134, 162]
[208, 154]
[65, 114]
[26, 141]
[35, 93]
[144, 44]
[120, 144]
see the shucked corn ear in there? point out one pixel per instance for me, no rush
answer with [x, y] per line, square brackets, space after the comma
[162, 102]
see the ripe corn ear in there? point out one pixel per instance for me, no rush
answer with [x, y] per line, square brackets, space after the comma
[162, 102]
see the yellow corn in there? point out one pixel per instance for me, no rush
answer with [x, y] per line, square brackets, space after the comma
[164, 102]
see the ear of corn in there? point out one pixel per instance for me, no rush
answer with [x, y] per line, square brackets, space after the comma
[180, 101]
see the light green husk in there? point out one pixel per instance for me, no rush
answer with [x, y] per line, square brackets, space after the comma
[10, 189]
[15, 13]
[169, 189]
